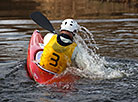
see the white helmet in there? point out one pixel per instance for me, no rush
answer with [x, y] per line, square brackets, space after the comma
[70, 25]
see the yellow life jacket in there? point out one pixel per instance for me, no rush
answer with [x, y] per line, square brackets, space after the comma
[55, 57]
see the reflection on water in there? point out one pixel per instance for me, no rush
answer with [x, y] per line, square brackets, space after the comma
[114, 24]
[17, 8]
[61, 9]
[86, 9]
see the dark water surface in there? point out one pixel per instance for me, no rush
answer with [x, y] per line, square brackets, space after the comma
[115, 29]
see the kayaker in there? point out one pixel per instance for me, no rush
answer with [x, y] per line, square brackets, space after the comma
[59, 49]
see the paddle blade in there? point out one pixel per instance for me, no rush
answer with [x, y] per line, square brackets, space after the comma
[42, 21]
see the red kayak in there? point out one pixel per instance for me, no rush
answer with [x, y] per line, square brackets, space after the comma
[39, 74]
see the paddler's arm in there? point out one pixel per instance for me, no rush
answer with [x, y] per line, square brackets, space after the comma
[47, 38]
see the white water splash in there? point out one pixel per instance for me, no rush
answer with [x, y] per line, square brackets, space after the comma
[90, 64]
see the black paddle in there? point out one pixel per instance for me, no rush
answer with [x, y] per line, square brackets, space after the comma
[42, 21]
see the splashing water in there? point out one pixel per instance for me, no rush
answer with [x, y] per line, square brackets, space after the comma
[92, 65]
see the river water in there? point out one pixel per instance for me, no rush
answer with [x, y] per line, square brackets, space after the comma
[114, 26]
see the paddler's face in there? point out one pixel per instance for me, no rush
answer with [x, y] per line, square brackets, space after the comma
[68, 33]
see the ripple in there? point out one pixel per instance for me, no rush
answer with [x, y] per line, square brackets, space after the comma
[15, 22]
[99, 20]
[7, 30]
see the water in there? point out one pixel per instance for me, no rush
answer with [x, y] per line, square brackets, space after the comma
[115, 33]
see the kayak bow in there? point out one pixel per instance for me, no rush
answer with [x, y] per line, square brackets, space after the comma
[34, 71]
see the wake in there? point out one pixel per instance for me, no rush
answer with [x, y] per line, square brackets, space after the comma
[93, 66]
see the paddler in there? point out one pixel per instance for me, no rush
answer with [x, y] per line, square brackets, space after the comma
[60, 49]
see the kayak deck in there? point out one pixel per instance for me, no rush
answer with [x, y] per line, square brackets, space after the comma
[36, 73]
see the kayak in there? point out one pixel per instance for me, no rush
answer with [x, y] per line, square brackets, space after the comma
[39, 74]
